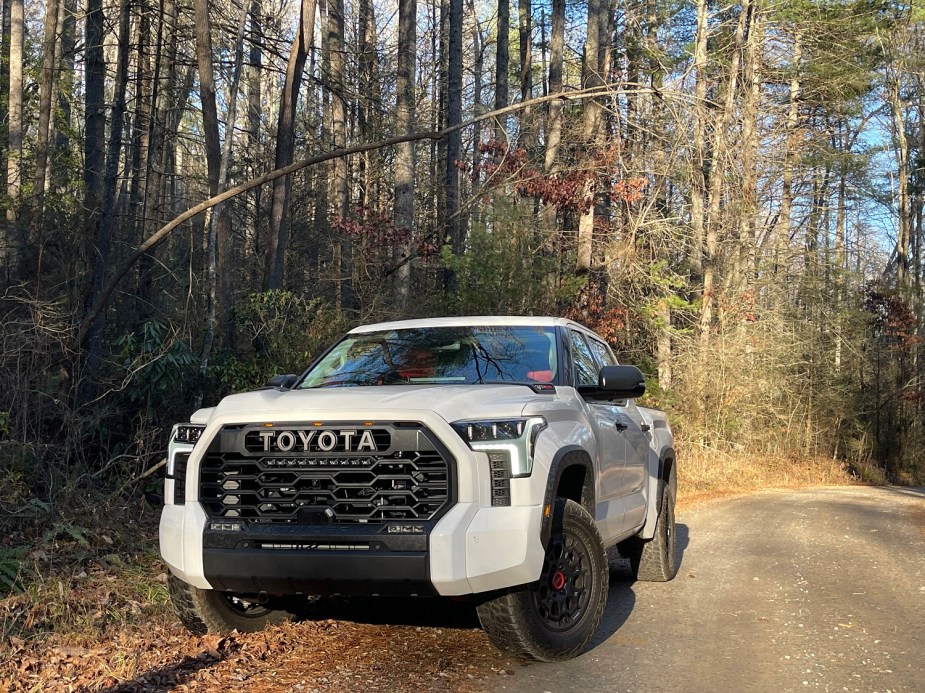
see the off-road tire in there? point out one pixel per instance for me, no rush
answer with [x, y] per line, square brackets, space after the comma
[656, 560]
[554, 618]
[210, 611]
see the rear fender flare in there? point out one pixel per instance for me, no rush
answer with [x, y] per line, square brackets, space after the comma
[663, 468]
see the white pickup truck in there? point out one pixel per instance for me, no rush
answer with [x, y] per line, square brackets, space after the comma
[494, 458]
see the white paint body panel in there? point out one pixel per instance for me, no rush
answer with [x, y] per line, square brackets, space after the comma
[474, 547]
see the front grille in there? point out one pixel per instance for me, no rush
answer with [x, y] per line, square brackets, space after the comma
[405, 478]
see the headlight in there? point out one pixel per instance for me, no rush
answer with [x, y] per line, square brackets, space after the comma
[517, 437]
[182, 438]
[186, 433]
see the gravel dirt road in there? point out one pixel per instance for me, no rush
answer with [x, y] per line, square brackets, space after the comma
[817, 589]
[820, 589]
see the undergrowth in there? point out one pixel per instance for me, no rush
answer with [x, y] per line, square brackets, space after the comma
[83, 569]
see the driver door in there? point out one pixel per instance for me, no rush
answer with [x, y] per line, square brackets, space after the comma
[635, 435]
[608, 423]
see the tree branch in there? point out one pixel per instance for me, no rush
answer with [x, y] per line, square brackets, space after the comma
[164, 232]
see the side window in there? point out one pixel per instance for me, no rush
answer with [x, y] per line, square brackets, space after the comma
[586, 370]
[603, 353]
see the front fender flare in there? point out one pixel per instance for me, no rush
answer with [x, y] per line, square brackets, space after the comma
[565, 458]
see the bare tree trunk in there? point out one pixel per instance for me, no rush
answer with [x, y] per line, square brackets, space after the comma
[336, 80]
[439, 84]
[592, 77]
[225, 261]
[254, 111]
[478, 44]
[94, 151]
[107, 222]
[94, 133]
[404, 153]
[368, 98]
[14, 246]
[525, 34]
[554, 114]
[207, 101]
[141, 192]
[919, 198]
[744, 260]
[841, 240]
[114, 146]
[454, 140]
[663, 353]
[160, 101]
[218, 223]
[654, 153]
[502, 64]
[339, 167]
[285, 147]
[5, 41]
[634, 122]
[717, 175]
[65, 93]
[782, 230]
[46, 89]
[901, 153]
[815, 228]
[204, 60]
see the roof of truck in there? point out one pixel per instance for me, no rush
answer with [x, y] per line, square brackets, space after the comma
[470, 320]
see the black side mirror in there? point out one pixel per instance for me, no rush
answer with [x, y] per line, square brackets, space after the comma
[283, 381]
[617, 382]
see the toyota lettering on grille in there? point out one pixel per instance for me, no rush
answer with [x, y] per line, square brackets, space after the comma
[325, 440]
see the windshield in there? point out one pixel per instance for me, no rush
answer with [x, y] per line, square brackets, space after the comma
[446, 355]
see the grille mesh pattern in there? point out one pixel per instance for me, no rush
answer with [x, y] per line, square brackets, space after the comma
[309, 488]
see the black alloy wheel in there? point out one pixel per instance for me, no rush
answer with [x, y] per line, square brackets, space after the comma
[244, 607]
[561, 594]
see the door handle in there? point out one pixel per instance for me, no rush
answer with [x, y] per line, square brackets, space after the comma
[645, 428]
[621, 426]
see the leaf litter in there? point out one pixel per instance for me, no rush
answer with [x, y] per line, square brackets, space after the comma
[312, 656]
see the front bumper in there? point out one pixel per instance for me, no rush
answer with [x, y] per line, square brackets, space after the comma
[471, 549]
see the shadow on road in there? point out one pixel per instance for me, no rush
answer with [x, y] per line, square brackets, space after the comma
[914, 491]
[682, 535]
[621, 599]
[169, 676]
[425, 612]
[407, 611]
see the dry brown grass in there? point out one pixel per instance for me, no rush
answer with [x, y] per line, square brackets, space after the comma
[706, 473]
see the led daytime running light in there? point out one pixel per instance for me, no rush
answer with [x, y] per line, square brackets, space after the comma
[515, 436]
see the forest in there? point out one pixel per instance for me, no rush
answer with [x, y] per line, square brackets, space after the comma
[200, 194]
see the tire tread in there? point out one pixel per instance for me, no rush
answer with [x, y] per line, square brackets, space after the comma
[655, 560]
[508, 618]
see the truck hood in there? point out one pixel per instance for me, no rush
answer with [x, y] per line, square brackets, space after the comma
[451, 402]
